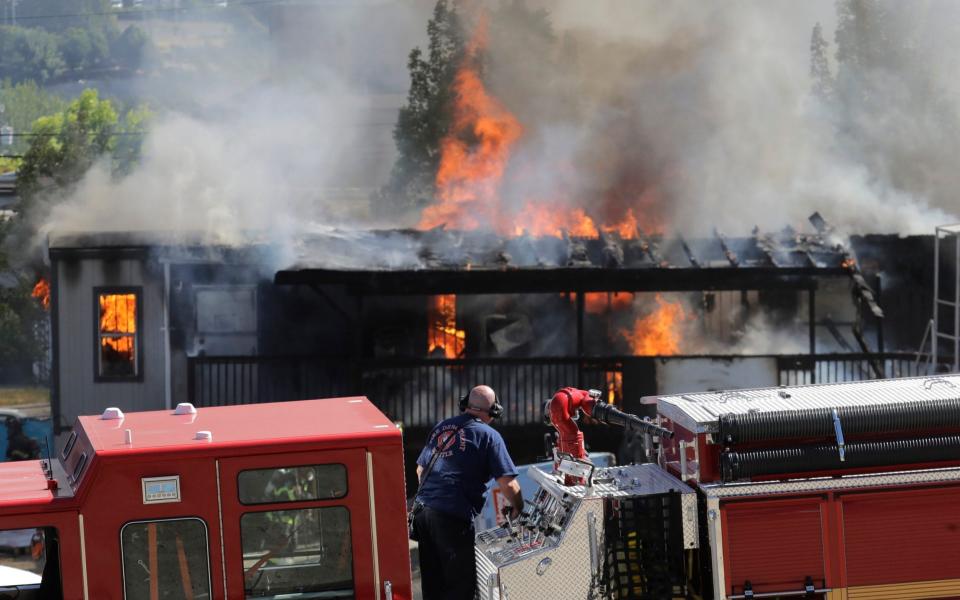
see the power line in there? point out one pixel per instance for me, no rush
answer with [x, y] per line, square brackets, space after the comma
[130, 133]
[114, 13]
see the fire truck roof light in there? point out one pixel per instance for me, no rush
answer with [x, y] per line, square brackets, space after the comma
[185, 408]
[204, 436]
[112, 413]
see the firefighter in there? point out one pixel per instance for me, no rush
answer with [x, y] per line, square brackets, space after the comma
[19, 446]
[462, 454]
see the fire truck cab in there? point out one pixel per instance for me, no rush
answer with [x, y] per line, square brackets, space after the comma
[284, 500]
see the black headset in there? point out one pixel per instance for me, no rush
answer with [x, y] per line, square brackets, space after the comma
[494, 411]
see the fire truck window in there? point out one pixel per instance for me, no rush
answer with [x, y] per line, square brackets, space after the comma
[292, 484]
[117, 317]
[165, 560]
[302, 551]
[30, 563]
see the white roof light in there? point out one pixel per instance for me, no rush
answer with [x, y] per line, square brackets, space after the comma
[204, 436]
[112, 413]
[185, 408]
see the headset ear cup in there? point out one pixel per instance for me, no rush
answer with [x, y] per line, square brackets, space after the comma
[463, 402]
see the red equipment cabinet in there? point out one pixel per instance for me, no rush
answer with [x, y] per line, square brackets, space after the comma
[223, 502]
[840, 491]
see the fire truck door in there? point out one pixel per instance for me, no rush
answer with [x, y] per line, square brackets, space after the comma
[298, 523]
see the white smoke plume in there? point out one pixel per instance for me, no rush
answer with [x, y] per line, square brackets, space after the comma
[698, 114]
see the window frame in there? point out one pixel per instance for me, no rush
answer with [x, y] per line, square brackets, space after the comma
[206, 535]
[346, 484]
[303, 505]
[138, 362]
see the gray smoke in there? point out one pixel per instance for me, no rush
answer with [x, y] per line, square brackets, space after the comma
[696, 115]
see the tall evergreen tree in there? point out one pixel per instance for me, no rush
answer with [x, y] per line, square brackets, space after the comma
[425, 118]
[820, 67]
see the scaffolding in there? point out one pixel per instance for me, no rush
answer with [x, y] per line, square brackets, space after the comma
[946, 296]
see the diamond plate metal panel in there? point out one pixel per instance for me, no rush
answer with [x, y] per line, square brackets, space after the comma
[699, 412]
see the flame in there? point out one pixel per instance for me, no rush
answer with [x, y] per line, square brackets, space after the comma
[475, 151]
[657, 334]
[614, 380]
[41, 291]
[442, 332]
[118, 314]
[600, 302]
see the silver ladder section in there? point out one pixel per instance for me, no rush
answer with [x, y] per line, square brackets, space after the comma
[946, 310]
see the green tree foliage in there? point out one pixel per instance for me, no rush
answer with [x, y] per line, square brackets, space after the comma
[84, 48]
[59, 15]
[29, 54]
[23, 320]
[130, 47]
[67, 143]
[425, 118]
[24, 103]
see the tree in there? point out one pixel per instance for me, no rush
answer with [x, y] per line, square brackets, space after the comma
[820, 66]
[67, 143]
[24, 103]
[29, 54]
[425, 118]
[130, 47]
[60, 15]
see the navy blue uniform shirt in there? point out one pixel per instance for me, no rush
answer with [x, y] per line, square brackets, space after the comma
[467, 461]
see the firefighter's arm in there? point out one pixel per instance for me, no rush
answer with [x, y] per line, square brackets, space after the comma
[510, 488]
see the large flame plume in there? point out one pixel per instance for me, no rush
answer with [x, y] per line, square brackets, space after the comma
[474, 158]
[658, 333]
[474, 153]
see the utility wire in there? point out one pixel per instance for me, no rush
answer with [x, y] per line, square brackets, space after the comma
[145, 11]
[130, 133]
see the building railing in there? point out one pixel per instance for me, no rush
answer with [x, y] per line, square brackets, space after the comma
[419, 392]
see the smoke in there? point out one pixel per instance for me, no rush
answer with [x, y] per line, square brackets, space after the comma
[693, 115]
[701, 115]
[264, 123]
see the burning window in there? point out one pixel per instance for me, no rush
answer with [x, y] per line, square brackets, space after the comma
[443, 337]
[117, 330]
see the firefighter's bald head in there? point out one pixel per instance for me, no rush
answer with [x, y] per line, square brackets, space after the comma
[479, 401]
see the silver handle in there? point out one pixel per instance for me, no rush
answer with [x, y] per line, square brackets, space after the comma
[388, 590]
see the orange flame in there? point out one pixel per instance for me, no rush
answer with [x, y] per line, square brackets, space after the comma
[657, 334]
[442, 332]
[41, 291]
[118, 315]
[600, 302]
[474, 153]
[614, 386]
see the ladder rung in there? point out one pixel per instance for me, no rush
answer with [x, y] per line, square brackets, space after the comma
[948, 303]
[947, 336]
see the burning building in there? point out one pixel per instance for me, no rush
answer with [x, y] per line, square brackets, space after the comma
[413, 319]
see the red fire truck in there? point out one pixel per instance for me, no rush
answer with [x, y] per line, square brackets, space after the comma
[292, 500]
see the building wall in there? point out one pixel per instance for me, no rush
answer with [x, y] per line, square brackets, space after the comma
[76, 337]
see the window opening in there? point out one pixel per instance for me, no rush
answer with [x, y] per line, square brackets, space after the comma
[30, 563]
[298, 551]
[68, 448]
[292, 484]
[117, 315]
[165, 560]
[78, 470]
